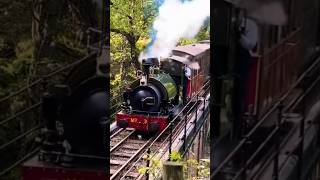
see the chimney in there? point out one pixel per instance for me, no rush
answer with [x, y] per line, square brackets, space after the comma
[147, 63]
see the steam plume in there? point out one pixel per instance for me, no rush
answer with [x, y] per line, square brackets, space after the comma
[176, 20]
[263, 11]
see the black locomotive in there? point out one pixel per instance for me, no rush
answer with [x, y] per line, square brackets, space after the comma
[75, 114]
[163, 86]
[76, 111]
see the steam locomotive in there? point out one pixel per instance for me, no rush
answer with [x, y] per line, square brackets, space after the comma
[73, 143]
[163, 86]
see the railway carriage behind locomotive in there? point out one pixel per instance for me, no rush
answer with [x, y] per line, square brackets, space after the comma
[163, 86]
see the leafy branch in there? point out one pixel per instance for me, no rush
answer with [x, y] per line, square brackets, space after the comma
[193, 169]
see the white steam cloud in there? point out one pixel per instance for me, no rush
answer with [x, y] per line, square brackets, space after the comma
[263, 11]
[271, 13]
[176, 20]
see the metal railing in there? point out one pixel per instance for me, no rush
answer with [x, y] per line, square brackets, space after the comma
[22, 117]
[117, 99]
[182, 115]
[242, 172]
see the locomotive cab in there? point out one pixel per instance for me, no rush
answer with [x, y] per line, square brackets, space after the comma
[181, 73]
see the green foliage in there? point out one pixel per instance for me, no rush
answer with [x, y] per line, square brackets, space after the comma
[70, 43]
[204, 33]
[15, 16]
[18, 65]
[142, 43]
[193, 169]
[184, 41]
[130, 24]
[155, 166]
[201, 167]
[24, 49]
[175, 156]
[134, 17]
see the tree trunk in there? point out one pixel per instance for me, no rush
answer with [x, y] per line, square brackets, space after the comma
[132, 40]
[37, 26]
[134, 53]
[84, 15]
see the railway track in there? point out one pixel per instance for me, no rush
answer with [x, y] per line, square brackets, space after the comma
[119, 137]
[127, 148]
[133, 168]
[161, 145]
[127, 151]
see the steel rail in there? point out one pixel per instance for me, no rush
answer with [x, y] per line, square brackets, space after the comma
[116, 133]
[122, 141]
[164, 143]
[176, 130]
[114, 175]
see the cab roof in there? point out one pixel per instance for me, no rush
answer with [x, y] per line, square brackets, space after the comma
[193, 49]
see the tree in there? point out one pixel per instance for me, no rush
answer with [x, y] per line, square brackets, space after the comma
[133, 21]
[51, 18]
[36, 37]
[131, 31]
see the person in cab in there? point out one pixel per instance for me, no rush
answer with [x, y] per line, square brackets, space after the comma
[248, 38]
[186, 83]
